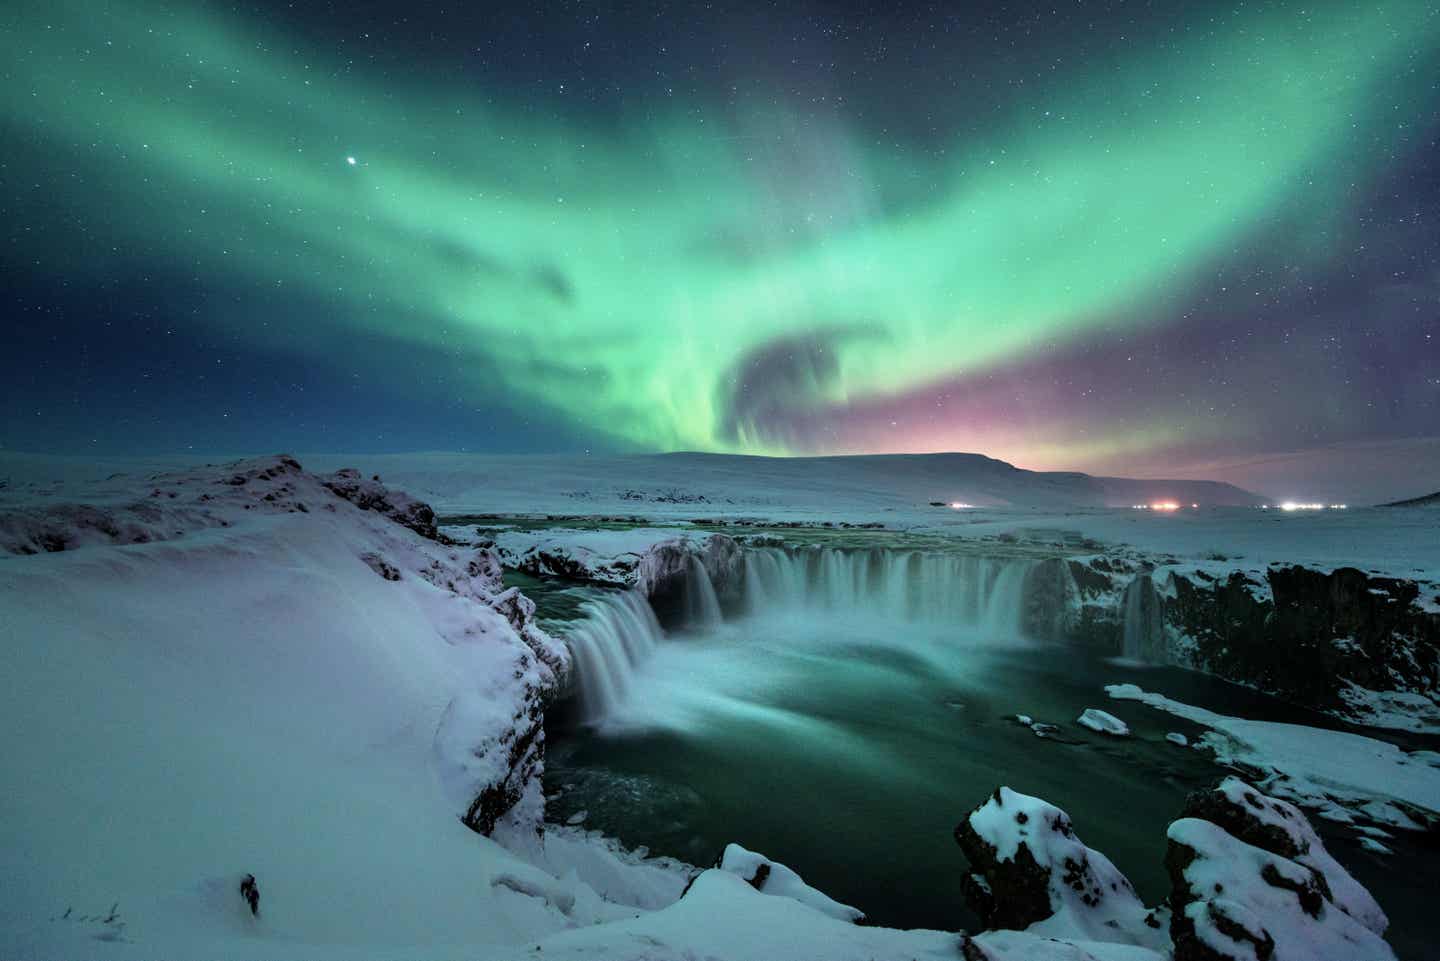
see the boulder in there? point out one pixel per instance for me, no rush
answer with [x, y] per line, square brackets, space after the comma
[1029, 870]
[1252, 882]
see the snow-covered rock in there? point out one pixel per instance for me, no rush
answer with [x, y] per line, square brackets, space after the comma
[1102, 723]
[1029, 871]
[772, 877]
[1280, 828]
[1234, 901]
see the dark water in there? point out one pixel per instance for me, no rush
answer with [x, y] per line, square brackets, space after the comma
[849, 750]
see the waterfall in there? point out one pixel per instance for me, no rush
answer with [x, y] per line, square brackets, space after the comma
[980, 592]
[1143, 630]
[618, 632]
[983, 594]
[701, 604]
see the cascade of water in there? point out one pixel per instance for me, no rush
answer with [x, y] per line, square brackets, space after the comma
[980, 592]
[1142, 631]
[618, 632]
[702, 606]
[985, 594]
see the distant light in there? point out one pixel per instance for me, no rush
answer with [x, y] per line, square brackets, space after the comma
[1293, 506]
[1195, 506]
[959, 505]
[351, 161]
[1165, 506]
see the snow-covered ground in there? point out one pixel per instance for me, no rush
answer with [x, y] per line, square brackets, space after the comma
[252, 670]
[216, 672]
[896, 492]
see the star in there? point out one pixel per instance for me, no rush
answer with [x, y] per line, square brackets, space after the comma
[351, 161]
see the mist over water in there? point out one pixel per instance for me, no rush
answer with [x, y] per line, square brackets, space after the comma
[849, 711]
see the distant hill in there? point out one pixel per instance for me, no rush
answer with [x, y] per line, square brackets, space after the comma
[685, 484]
[694, 484]
[1429, 500]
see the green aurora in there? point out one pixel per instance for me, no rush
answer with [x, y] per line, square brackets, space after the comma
[625, 274]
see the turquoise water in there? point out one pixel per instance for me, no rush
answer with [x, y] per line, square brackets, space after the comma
[848, 748]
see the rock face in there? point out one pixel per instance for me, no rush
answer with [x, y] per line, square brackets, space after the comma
[1251, 880]
[1313, 633]
[1028, 868]
[1343, 641]
[1049, 597]
[667, 572]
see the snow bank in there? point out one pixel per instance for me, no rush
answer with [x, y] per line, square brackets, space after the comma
[1314, 767]
[276, 681]
[772, 877]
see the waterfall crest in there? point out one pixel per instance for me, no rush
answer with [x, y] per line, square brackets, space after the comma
[619, 631]
[985, 593]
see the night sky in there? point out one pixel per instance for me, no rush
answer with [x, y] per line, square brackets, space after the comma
[1128, 238]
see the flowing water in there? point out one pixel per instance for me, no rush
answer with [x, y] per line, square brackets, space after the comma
[851, 711]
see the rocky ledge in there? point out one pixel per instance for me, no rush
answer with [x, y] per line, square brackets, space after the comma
[1362, 646]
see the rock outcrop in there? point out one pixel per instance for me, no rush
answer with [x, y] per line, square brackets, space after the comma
[1251, 881]
[372, 495]
[1029, 869]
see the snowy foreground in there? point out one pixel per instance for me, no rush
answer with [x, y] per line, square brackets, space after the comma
[256, 670]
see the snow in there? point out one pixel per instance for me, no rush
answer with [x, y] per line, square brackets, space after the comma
[1103, 723]
[780, 881]
[1178, 739]
[1284, 819]
[1090, 898]
[1314, 767]
[1255, 890]
[271, 706]
[1397, 710]
[610, 556]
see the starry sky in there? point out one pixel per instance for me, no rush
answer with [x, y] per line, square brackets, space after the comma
[1144, 239]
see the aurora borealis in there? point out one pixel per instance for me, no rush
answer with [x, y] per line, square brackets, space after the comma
[1107, 239]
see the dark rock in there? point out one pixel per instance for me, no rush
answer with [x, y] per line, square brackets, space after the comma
[381, 566]
[1319, 631]
[370, 495]
[250, 891]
